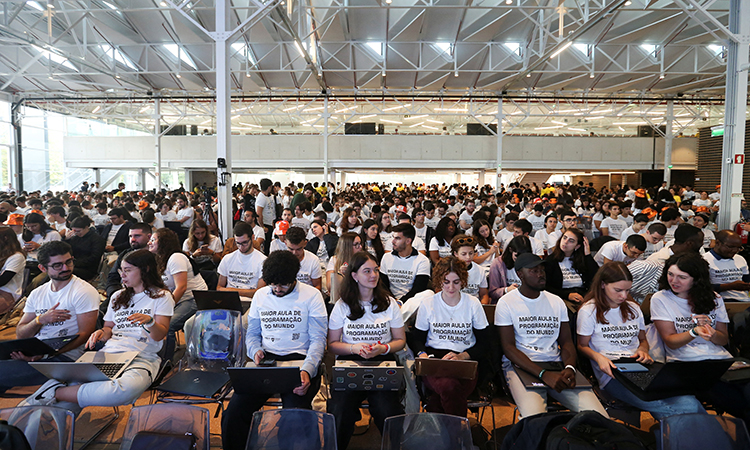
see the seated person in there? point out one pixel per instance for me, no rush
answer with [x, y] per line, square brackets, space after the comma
[12, 265]
[503, 276]
[87, 247]
[533, 329]
[570, 266]
[364, 305]
[241, 269]
[63, 307]
[268, 336]
[625, 251]
[610, 327]
[347, 245]
[405, 271]
[728, 270]
[309, 271]
[205, 248]
[136, 320]
[476, 285]
[450, 325]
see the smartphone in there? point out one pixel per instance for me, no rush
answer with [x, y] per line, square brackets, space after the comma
[631, 367]
[267, 362]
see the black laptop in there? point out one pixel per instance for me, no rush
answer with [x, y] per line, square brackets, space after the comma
[194, 382]
[279, 378]
[33, 346]
[673, 378]
[219, 300]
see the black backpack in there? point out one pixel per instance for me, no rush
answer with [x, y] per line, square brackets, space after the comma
[589, 430]
[12, 438]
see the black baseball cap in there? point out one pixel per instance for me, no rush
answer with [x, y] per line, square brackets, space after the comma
[527, 261]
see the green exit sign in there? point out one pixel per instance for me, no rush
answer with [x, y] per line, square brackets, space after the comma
[717, 132]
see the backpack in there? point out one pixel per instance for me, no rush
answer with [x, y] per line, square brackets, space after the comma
[589, 430]
[12, 438]
[531, 432]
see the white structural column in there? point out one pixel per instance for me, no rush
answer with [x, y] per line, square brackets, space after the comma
[668, 137]
[499, 156]
[142, 179]
[157, 141]
[223, 123]
[735, 114]
[326, 115]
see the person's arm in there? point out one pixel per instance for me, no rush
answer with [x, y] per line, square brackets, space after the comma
[605, 364]
[418, 341]
[738, 285]
[317, 328]
[480, 348]
[6, 276]
[125, 243]
[484, 296]
[180, 286]
[317, 283]
[114, 281]
[421, 283]
[497, 280]
[86, 325]
[184, 219]
[384, 279]
[253, 341]
[554, 380]
[464, 226]
[434, 256]
[222, 286]
[604, 230]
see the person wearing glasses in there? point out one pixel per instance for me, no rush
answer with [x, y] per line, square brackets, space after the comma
[287, 321]
[241, 270]
[66, 306]
[730, 277]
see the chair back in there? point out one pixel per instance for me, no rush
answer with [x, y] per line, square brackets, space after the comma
[291, 429]
[337, 280]
[168, 418]
[426, 431]
[45, 427]
[215, 341]
[702, 431]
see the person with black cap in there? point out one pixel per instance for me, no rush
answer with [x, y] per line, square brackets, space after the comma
[534, 332]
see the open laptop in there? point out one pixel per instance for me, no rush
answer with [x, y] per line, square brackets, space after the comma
[283, 377]
[219, 300]
[34, 346]
[91, 366]
[673, 378]
[367, 376]
[435, 367]
[532, 382]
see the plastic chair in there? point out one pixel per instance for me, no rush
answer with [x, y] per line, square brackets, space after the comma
[292, 429]
[173, 419]
[426, 431]
[702, 431]
[45, 427]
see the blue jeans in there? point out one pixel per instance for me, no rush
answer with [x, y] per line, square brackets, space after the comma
[183, 310]
[19, 373]
[660, 409]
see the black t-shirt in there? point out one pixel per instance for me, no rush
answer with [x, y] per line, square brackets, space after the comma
[249, 200]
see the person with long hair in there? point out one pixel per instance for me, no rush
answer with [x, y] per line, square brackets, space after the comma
[692, 322]
[611, 326]
[348, 245]
[383, 219]
[179, 276]
[570, 266]
[476, 283]
[205, 248]
[37, 232]
[371, 239]
[487, 248]
[450, 325]
[137, 320]
[364, 304]
[349, 222]
[503, 276]
[549, 235]
[440, 244]
[12, 263]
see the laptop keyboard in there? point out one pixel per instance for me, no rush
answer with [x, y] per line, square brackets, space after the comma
[641, 379]
[109, 369]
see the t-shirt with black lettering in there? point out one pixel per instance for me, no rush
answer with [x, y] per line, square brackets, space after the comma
[243, 271]
[77, 297]
[571, 278]
[615, 339]
[443, 250]
[615, 227]
[477, 279]
[370, 328]
[309, 269]
[727, 270]
[670, 308]
[451, 327]
[536, 323]
[402, 271]
[284, 320]
[130, 337]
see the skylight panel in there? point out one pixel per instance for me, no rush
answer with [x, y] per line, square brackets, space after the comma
[110, 6]
[55, 58]
[35, 5]
[240, 48]
[444, 46]
[514, 47]
[118, 56]
[650, 49]
[176, 51]
[376, 47]
[583, 48]
[717, 50]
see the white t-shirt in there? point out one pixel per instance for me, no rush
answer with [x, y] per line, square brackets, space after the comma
[113, 233]
[443, 250]
[284, 320]
[651, 249]
[370, 328]
[177, 263]
[299, 222]
[536, 323]
[727, 270]
[660, 256]
[242, 271]
[269, 208]
[537, 247]
[15, 263]
[277, 245]
[188, 212]
[214, 245]
[698, 203]
[402, 271]
[128, 337]
[512, 277]
[571, 278]
[477, 279]
[309, 269]
[628, 220]
[670, 308]
[100, 219]
[451, 327]
[549, 240]
[537, 222]
[466, 217]
[168, 217]
[615, 339]
[612, 250]
[504, 236]
[708, 236]
[77, 296]
[52, 235]
[614, 227]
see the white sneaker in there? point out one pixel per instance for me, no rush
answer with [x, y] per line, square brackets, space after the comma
[45, 395]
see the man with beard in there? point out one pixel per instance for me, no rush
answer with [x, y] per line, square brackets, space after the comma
[404, 271]
[65, 306]
[534, 331]
[139, 234]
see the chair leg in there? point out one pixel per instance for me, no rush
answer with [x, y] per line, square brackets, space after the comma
[115, 416]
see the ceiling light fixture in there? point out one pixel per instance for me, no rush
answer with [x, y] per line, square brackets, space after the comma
[416, 117]
[368, 116]
[391, 121]
[416, 125]
[561, 49]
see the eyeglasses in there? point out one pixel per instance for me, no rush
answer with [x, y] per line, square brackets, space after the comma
[357, 245]
[60, 265]
[242, 243]
[465, 241]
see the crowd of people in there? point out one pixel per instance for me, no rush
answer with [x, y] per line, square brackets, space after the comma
[575, 276]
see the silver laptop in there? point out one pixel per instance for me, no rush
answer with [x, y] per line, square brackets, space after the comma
[91, 366]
